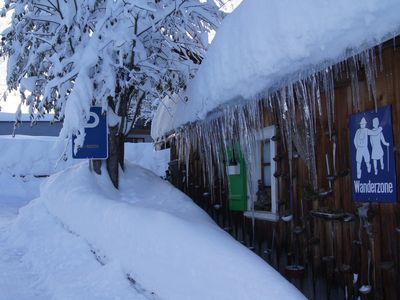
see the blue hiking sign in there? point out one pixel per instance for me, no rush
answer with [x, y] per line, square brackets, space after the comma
[373, 167]
[95, 145]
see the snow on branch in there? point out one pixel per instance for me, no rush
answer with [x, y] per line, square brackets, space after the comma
[123, 55]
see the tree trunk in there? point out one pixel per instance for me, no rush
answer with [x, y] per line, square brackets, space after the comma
[116, 135]
[121, 150]
[96, 163]
[113, 159]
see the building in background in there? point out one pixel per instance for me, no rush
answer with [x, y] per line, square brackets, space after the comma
[140, 133]
[44, 127]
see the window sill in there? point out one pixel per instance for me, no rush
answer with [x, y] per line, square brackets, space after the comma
[262, 215]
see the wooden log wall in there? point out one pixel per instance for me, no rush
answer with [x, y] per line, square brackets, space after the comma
[332, 251]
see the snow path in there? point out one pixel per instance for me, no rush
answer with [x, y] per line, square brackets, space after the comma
[17, 281]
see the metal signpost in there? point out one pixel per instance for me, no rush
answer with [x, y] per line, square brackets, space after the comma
[95, 145]
[371, 147]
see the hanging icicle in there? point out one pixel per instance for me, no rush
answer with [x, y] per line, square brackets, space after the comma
[368, 60]
[298, 108]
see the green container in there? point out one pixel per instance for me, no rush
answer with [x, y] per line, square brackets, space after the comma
[237, 179]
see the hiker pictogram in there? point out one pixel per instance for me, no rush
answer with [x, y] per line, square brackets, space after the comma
[373, 170]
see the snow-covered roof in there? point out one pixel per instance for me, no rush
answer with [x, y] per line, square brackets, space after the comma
[164, 117]
[11, 117]
[263, 44]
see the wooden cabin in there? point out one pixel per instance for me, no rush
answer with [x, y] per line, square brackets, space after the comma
[305, 174]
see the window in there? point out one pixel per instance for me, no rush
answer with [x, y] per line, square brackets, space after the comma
[264, 187]
[266, 162]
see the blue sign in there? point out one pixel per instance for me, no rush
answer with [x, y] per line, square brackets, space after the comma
[373, 167]
[95, 145]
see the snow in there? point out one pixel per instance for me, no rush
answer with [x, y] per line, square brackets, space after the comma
[10, 117]
[230, 5]
[164, 116]
[91, 62]
[17, 280]
[263, 45]
[37, 156]
[147, 157]
[82, 239]
[32, 156]
[156, 235]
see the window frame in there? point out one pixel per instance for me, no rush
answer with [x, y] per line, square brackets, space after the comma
[265, 134]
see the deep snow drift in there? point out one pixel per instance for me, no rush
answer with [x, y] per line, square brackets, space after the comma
[144, 155]
[17, 280]
[27, 155]
[41, 155]
[87, 240]
[82, 239]
[24, 157]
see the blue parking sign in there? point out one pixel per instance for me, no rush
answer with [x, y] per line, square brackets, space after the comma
[95, 145]
[373, 166]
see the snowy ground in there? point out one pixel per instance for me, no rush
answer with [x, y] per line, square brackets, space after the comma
[78, 238]
[17, 280]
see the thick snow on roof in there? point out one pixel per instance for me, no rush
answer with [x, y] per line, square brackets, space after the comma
[164, 117]
[262, 44]
[11, 117]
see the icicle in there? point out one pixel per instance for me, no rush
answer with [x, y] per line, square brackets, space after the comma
[210, 139]
[330, 97]
[297, 108]
[303, 135]
[368, 61]
[334, 157]
[313, 101]
[280, 100]
[187, 156]
[380, 58]
[355, 90]
[328, 171]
